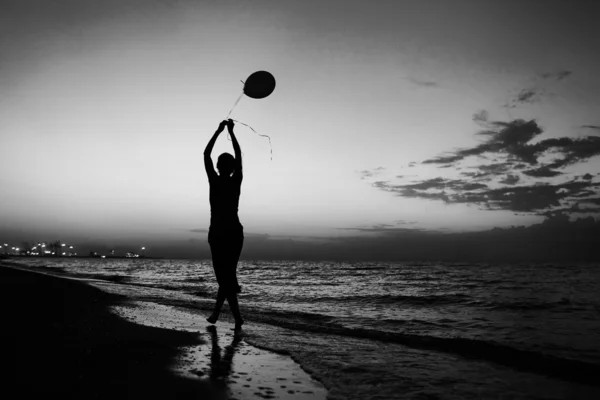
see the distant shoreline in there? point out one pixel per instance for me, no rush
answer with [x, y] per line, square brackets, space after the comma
[6, 257]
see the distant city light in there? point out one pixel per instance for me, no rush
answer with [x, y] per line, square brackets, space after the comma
[143, 248]
[70, 247]
[63, 245]
[64, 253]
[43, 245]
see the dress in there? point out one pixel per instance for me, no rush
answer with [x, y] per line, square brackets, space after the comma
[226, 233]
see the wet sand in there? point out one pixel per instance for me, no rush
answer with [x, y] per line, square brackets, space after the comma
[62, 337]
[226, 360]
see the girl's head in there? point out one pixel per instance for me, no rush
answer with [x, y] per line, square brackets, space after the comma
[226, 164]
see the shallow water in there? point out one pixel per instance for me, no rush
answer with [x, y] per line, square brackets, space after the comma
[533, 322]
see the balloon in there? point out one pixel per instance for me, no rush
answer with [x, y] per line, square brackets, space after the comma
[259, 85]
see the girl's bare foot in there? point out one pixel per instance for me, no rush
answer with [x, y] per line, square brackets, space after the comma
[238, 325]
[212, 319]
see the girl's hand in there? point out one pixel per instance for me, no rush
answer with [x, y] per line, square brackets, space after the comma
[230, 125]
[222, 126]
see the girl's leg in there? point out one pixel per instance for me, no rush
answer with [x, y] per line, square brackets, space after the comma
[218, 260]
[235, 309]
[232, 299]
[218, 305]
[236, 251]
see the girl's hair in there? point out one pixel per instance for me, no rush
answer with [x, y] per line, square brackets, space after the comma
[226, 163]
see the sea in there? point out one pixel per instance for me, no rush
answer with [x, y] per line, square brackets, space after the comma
[381, 330]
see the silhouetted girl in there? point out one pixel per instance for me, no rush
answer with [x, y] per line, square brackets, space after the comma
[226, 233]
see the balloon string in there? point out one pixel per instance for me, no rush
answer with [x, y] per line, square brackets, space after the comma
[267, 136]
[236, 103]
[230, 111]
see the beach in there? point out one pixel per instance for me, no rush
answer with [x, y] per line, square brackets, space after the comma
[136, 328]
[60, 338]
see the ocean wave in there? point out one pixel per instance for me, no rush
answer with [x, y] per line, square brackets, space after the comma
[426, 300]
[198, 279]
[114, 278]
[520, 359]
[362, 268]
[563, 303]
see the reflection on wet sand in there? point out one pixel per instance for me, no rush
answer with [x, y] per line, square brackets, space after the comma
[237, 371]
[220, 366]
[243, 371]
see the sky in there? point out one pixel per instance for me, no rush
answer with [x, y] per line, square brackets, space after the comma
[389, 118]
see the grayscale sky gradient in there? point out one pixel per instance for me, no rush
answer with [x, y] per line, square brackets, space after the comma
[418, 115]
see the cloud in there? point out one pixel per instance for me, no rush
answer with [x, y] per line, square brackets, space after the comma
[526, 198]
[558, 75]
[508, 138]
[481, 117]
[436, 183]
[511, 139]
[444, 160]
[403, 222]
[510, 179]
[493, 169]
[528, 96]
[536, 92]
[512, 133]
[542, 172]
[594, 127]
[573, 150]
[593, 200]
[370, 173]
[424, 83]
[410, 192]
[384, 229]
[571, 210]
[511, 165]
[440, 183]
[479, 176]
[555, 239]
[582, 194]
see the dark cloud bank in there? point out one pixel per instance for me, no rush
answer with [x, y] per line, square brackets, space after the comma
[555, 240]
